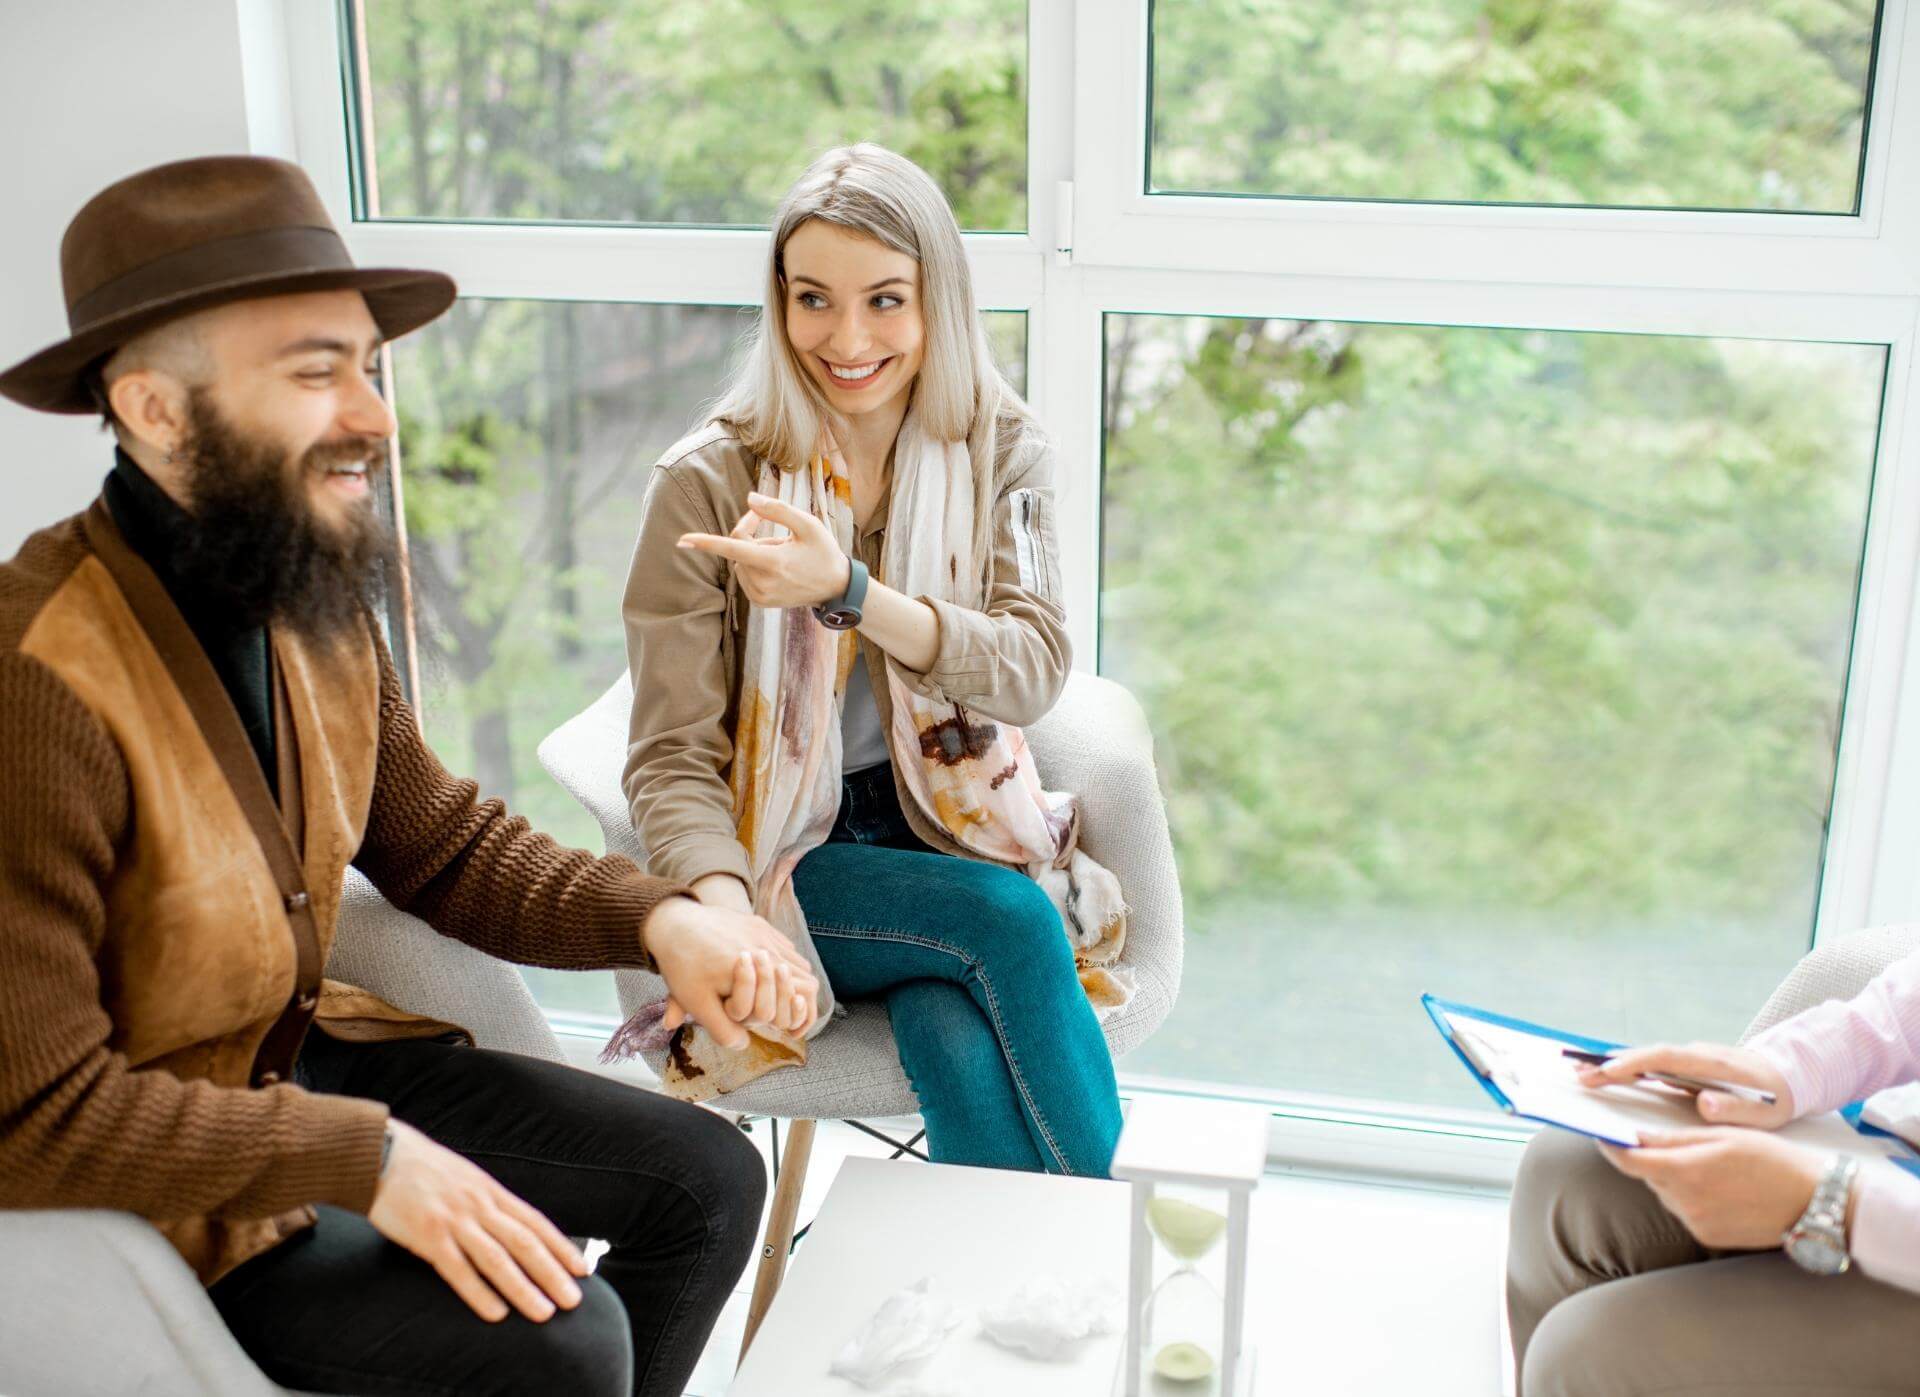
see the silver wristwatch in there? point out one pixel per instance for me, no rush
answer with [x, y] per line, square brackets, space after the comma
[1818, 1242]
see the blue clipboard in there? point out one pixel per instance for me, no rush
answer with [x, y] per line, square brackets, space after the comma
[1437, 1009]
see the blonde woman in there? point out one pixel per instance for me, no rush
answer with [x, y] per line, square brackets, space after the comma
[843, 603]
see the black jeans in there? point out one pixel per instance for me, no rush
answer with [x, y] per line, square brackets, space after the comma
[675, 1190]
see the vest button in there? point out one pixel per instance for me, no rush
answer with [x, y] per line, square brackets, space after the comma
[268, 1079]
[295, 901]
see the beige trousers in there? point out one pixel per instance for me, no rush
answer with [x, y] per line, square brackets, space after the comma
[1609, 1296]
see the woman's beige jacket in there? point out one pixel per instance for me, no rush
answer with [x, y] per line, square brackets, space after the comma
[686, 622]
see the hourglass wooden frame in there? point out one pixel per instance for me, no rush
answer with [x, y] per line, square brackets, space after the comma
[1216, 1146]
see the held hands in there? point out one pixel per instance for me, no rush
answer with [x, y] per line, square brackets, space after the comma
[1741, 1066]
[490, 1246]
[806, 568]
[725, 967]
[1737, 1189]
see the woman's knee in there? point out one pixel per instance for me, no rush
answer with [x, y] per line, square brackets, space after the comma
[1007, 920]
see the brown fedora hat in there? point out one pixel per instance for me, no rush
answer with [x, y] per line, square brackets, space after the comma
[199, 233]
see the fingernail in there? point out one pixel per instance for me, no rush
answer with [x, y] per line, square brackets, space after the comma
[571, 1295]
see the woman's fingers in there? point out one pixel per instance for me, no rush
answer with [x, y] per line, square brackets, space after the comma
[766, 1001]
[780, 512]
[783, 996]
[738, 550]
[675, 1015]
[746, 983]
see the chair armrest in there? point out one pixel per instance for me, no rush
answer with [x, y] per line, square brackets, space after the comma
[97, 1301]
[1838, 970]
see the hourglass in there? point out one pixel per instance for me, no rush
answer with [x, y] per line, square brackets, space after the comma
[1193, 1166]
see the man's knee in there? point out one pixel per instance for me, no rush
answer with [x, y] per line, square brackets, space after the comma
[587, 1350]
[736, 1178]
[1573, 1351]
[1569, 1201]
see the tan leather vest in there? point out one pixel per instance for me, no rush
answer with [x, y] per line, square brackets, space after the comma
[221, 909]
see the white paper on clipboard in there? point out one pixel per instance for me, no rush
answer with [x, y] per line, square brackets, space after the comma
[1539, 1081]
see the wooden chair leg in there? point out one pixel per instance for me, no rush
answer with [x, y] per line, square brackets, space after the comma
[779, 1239]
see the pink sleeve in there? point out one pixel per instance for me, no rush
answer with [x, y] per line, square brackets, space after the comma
[1845, 1050]
[1885, 1239]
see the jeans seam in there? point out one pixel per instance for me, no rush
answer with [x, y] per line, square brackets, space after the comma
[993, 1013]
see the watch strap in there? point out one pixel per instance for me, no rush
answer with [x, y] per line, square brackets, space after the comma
[844, 612]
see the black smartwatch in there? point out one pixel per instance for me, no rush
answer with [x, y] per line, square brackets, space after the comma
[843, 613]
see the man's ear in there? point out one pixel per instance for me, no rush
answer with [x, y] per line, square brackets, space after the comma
[150, 405]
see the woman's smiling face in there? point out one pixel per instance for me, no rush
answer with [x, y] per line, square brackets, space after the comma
[853, 315]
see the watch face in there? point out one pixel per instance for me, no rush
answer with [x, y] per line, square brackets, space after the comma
[1816, 1252]
[840, 619]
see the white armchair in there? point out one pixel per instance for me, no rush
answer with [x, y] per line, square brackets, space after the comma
[1094, 742]
[98, 1302]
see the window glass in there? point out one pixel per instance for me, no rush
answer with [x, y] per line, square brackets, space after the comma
[1674, 104]
[683, 111]
[1502, 664]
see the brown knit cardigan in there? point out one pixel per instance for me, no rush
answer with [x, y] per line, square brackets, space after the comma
[165, 923]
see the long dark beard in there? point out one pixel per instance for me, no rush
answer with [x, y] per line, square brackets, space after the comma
[256, 550]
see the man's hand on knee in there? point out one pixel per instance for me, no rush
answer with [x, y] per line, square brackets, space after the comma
[490, 1246]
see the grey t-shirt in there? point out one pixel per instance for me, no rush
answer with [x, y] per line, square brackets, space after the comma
[862, 741]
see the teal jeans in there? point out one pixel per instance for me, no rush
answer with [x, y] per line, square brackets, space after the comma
[994, 1031]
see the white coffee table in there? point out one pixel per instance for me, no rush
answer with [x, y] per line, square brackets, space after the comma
[1354, 1290]
[977, 1233]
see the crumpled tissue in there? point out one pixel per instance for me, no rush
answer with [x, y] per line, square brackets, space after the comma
[1045, 1316]
[909, 1325]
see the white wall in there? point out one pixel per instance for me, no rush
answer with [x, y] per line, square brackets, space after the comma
[90, 90]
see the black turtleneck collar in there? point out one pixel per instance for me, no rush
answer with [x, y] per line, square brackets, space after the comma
[151, 520]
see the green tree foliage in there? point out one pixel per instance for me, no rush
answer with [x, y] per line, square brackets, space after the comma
[1734, 104]
[688, 111]
[1503, 618]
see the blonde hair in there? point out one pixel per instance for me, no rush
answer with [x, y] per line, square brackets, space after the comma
[960, 393]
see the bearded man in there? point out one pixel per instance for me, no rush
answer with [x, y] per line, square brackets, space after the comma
[200, 727]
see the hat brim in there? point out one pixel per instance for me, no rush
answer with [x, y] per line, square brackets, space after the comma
[400, 299]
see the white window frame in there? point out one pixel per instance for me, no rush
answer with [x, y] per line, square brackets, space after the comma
[1096, 243]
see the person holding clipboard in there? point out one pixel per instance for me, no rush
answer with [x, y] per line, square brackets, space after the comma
[1722, 1258]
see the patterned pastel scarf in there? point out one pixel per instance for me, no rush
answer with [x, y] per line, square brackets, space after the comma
[972, 777]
